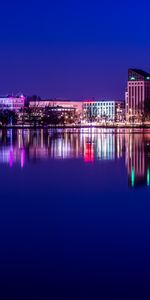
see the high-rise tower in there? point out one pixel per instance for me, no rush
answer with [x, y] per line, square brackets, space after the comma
[137, 95]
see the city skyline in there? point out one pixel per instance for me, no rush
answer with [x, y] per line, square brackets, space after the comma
[74, 150]
[72, 51]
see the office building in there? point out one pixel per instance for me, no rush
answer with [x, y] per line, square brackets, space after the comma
[137, 96]
[104, 110]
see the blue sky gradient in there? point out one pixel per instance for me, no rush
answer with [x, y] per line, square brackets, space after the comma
[72, 49]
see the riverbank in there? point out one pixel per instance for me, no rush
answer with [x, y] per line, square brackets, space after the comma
[115, 126]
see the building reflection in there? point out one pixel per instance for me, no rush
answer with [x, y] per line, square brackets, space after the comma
[138, 158]
[23, 146]
[88, 144]
[102, 144]
[11, 149]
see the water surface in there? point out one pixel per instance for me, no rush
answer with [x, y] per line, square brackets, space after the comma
[75, 214]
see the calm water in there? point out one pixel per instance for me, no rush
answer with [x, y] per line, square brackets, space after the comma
[75, 214]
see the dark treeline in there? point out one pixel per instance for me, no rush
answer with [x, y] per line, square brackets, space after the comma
[36, 116]
[8, 117]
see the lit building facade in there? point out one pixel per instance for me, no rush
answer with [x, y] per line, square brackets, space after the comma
[67, 111]
[104, 110]
[12, 103]
[137, 94]
[98, 110]
[64, 104]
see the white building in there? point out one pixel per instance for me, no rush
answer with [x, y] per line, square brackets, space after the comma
[12, 103]
[104, 110]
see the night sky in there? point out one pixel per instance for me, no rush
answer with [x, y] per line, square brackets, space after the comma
[72, 49]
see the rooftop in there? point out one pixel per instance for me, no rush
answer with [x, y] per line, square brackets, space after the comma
[138, 73]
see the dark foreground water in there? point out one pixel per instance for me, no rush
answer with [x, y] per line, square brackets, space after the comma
[75, 214]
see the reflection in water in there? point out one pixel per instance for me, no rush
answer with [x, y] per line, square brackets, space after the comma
[138, 158]
[90, 145]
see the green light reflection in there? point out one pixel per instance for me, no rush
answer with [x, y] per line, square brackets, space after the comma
[148, 177]
[132, 177]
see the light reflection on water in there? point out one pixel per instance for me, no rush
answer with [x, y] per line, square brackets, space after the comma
[90, 145]
[74, 223]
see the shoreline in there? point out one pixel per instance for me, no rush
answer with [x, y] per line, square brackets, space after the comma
[145, 126]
